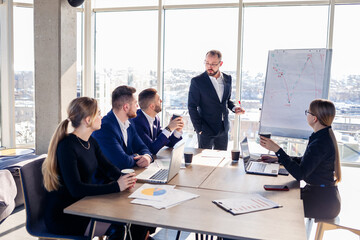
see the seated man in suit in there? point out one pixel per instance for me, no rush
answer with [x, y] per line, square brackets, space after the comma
[117, 137]
[147, 123]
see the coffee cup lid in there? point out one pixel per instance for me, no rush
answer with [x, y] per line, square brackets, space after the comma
[129, 170]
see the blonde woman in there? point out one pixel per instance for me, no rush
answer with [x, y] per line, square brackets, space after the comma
[72, 161]
[320, 165]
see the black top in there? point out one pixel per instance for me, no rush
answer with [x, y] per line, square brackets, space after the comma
[77, 166]
[317, 165]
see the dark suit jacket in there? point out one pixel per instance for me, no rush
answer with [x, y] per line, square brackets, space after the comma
[112, 144]
[158, 140]
[204, 106]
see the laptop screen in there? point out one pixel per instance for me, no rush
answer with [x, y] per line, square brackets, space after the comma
[245, 150]
[176, 159]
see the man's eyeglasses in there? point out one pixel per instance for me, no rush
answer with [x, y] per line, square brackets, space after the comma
[211, 65]
[308, 112]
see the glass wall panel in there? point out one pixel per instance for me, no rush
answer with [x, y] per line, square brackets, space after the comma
[183, 2]
[253, 1]
[124, 3]
[0, 97]
[125, 52]
[24, 76]
[345, 81]
[269, 28]
[79, 53]
[189, 35]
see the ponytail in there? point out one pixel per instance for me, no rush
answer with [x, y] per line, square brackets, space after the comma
[337, 173]
[79, 109]
[325, 112]
[49, 168]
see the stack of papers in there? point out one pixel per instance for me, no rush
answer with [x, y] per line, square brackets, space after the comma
[160, 196]
[247, 203]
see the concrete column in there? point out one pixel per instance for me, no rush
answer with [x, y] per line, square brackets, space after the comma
[55, 66]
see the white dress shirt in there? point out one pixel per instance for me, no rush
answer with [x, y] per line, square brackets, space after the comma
[218, 84]
[164, 131]
[123, 126]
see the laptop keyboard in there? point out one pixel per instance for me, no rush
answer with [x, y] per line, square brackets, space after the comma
[160, 175]
[257, 167]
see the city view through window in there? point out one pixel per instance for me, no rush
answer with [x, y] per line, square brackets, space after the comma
[126, 53]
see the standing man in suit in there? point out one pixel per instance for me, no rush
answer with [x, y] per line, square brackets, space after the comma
[208, 104]
[147, 123]
[117, 137]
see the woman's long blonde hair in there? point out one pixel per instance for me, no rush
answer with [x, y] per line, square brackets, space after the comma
[78, 109]
[325, 112]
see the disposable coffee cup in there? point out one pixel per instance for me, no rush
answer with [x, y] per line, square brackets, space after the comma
[188, 157]
[126, 171]
[235, 154]
[265, 134]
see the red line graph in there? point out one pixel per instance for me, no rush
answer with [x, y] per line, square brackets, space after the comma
[307, 70]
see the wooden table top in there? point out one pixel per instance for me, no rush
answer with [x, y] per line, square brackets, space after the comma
[200, 215]
[211, 179]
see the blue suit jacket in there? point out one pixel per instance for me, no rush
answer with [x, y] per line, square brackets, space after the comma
[205, 108]
[112, 144]
[158, 140]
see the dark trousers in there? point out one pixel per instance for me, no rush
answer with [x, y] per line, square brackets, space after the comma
[218, 142]
[138, 232]
[321, 202]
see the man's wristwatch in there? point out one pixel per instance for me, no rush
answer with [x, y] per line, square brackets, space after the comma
[167, 128]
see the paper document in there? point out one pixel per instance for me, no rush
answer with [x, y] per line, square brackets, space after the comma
[160, 196]
[174, 198]
[213, 153]
[152, 192]
[246, 204]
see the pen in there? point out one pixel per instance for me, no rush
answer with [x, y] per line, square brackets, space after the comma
[239, 103]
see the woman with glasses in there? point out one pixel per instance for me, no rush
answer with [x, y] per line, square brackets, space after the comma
[319, 167]
[70, 165]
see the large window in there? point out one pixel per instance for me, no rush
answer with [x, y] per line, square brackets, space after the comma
[277, 28]
[189, 35]
[126, 50]
[24, 76]
[345, 81]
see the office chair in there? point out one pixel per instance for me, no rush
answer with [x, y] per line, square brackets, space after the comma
[330, 224]
[34, 196]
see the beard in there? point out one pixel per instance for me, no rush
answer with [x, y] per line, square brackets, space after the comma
[213, 73]
[131, 115]
[157, 109]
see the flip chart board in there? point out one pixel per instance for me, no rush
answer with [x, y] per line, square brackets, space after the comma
[294, 78]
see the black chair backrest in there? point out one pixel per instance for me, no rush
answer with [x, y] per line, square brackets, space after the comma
[34, 196]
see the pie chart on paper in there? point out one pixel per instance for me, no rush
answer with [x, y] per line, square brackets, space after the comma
[153, 191]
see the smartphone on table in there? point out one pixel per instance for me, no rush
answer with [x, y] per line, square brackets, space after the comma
[276, 188]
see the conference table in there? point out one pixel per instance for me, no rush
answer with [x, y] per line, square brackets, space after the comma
[210, 177]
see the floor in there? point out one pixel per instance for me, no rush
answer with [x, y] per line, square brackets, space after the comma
[13, 228]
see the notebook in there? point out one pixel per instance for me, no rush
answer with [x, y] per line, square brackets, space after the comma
[253, 166]
[161, 175]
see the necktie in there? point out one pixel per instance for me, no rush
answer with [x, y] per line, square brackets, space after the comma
[154, 132]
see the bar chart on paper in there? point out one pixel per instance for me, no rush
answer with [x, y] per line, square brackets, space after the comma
[294, 78]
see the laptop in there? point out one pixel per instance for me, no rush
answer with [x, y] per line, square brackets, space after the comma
[161, 175]
[253, 166]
